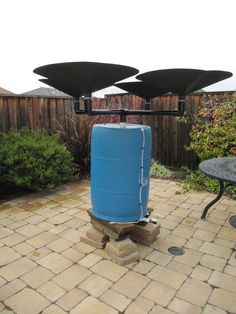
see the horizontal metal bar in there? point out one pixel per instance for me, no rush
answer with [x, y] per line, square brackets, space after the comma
[130, 112]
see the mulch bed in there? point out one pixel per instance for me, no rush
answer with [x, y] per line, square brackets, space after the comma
[7, 193]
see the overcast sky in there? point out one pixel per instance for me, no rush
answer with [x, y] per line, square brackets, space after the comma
[146, 34]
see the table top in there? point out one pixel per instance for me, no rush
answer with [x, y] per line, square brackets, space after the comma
[222, 168]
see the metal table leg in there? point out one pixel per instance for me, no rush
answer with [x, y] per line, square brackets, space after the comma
[218, 197]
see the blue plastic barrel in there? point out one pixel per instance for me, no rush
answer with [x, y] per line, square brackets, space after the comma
[120, 165]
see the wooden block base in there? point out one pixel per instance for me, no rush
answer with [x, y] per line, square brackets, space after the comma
[97, 245]
[115, 231]
[131, 258]
[117, 238]
[121, 248]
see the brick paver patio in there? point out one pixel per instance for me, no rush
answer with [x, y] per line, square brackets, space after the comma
[44, 268]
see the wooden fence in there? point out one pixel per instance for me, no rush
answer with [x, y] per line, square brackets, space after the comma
[41, 112]
[169, 137]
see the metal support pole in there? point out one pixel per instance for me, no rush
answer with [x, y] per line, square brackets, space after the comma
[181, 105]
[122, 116]
[147, 104]
[77, 105]
[88, 104]
[218, 197]
[121, 112]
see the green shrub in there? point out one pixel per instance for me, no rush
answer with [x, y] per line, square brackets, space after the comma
[33, 160]
[160, 171]
[213, 132]
[213, 135]
[197, 181]
[76, 136]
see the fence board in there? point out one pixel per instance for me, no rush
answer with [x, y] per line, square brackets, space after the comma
[23, 113]
[12, 102]
[1, 114]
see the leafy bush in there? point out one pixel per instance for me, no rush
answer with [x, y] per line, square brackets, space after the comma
[213, 135]
[33, 160]
[214, 128]
[76, 136]
[160, 171]
[77, 139]
[198, 181]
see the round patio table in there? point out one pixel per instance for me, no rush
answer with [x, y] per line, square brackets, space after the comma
[222, 169]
